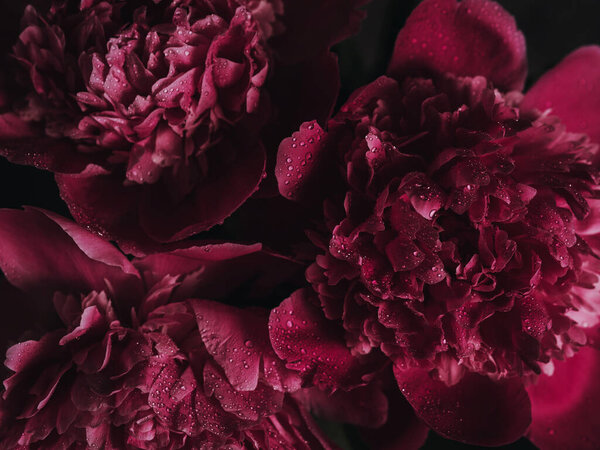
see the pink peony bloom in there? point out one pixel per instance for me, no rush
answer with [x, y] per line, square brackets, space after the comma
[108, 353]
[460, 230]
[150, 111]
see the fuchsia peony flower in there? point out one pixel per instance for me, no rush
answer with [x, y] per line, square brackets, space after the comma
[157, 116]
[115, 354]
[460, 230]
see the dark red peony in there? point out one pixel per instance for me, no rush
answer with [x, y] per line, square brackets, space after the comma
[460, 231]
[108, 353]
[157, 116]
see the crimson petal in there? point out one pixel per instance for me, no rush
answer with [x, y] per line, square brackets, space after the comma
[476, 410]
[298, 162]
[572, 91]
[565, 405]
[473, 37]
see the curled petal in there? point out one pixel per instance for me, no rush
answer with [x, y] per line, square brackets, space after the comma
[313, 345]
[571, 91]
[298, 162]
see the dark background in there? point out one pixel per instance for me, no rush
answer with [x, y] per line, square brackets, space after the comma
[552, 28]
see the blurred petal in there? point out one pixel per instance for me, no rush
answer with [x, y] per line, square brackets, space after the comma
[572, 91]
[476, 410]
[565, 405]
[473, 37]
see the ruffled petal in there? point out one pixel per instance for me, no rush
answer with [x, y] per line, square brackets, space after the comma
[467, 38]
[365, 406]
[21, 143]
[572, 92]
[564, 406]
[476, 410]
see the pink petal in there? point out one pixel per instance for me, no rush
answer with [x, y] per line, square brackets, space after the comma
[572, 91]
[565, 405]
[476, 410]
[473, 37]
[299, 161]
[236, 340]
[219, 269]
[313, 345]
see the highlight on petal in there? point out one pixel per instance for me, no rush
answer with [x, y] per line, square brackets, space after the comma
[299, 162]
[571, 91]
[39, 257]
[564, 406]
[467, 38]
[476, 410]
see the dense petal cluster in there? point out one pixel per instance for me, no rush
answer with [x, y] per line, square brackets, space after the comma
[457, 242]
[459, 234]
[161, 104]
[170, 372]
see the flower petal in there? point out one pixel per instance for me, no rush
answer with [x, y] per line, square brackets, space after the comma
[564, 405]
[572, 91]
[313, 345]
[236, 340]
[299, 162]
[39, 257]
[476, 410]
[473, 37]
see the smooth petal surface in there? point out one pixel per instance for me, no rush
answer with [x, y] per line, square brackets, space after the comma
[211, 202]
[476, 410]
[467, 38]
[565, 405]
[299, 162]
[236, 341]
[572, 92]
[219, 269]
[21, 143]
[39, 257]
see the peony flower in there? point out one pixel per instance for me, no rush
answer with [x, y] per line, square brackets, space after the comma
[150, 111]
[460, 229]
[102, 352]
